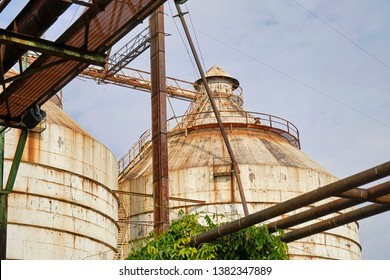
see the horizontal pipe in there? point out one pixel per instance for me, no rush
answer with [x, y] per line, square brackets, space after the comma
[364, 194]
[316, 195]
[340, 220]
[382, 200]
[329, 208]
[151, 196]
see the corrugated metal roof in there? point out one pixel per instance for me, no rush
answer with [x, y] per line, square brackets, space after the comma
[108, 22]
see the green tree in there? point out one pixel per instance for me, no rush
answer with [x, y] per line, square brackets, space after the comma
[253, 243]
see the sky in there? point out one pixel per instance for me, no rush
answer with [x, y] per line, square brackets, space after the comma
[322, 65]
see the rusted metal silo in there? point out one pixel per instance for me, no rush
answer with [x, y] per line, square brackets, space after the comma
[62, 205]
[272, 169]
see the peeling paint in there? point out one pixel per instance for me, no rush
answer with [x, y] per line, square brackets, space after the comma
[62, 206]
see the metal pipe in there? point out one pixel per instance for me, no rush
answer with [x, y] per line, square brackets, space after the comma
[340, 220]
[159, 122]
[328, 208]
[364, 194]
[170, 198]
[321, 193]
[215, 109]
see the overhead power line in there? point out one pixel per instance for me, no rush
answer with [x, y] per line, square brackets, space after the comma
[183, 41]
[298, 81]
[196, 39]
[342, 35]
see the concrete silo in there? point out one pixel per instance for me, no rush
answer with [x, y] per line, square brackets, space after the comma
[273, 169]
[62, 205]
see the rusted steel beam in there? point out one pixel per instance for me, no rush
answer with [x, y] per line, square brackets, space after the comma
[33, 71]
[215, 110]
[25, 42]
[340, 220]
[316, 195]
[34, 19]
[81, 3]
[115, 17]
[159, 122]
[329, 208]
[173, 198]
[4, 4]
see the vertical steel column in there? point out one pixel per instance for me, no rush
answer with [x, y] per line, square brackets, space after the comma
[9, 187]
[3, 202]
[216, 112]
[159, 122]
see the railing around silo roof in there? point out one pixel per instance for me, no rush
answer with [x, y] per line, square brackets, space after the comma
[133, 155]
[233, 118]
[261, 121]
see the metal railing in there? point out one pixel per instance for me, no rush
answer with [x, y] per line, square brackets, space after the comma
[264, 121]
[123, 249]
[133, 155]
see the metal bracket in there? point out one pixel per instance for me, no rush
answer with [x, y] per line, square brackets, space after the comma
[16, 161]
[22, 41]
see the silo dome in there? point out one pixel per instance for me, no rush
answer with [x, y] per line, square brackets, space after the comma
[62, 205]
[272, 169]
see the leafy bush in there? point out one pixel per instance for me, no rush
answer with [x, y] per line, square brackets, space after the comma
[253, 243]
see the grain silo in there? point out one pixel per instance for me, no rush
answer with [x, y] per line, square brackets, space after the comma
[62, 205]
[267, 149]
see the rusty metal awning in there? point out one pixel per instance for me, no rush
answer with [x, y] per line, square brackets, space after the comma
[100, 27]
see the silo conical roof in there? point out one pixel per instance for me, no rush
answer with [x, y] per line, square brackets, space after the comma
[54, 115]
[217, 71]
[267, 151]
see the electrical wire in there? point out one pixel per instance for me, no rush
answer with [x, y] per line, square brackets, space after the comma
[184, 44]
[71, 20]
[297, 80]
[342, 34]
[196, 39]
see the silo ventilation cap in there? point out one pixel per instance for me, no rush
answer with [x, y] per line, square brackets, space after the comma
[217, 71]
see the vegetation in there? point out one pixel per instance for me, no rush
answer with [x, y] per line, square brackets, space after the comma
[253, 243]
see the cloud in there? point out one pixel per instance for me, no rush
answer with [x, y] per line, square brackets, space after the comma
[246, 38]
[290, 64]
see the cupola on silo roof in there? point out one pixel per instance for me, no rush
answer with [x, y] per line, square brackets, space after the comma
[272, 168]
[216, 73]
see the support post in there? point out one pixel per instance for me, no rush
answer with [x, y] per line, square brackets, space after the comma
[159, 122]
[9, 186]
[215, 109]
[3, 202]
